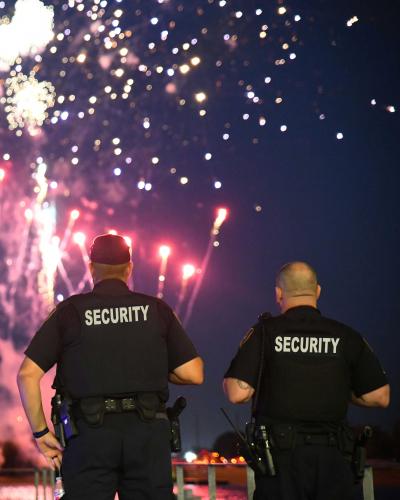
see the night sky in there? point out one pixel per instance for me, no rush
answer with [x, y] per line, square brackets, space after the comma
[303, 153]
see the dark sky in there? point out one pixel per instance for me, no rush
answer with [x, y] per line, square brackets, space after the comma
[331, 202]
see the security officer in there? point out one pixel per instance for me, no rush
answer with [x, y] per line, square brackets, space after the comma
[115, 352]
[312, 367]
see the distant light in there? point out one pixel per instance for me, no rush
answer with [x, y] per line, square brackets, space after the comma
[195, 60]
[225, 137]
[81, 58]
[116, 141]
[170, 72]
[155, 160]
[6, 156]
[238, 14]
[154, 21]
[292, 56]
[258, 12]
[297, 18]
[60, 297]
[164, 251]
[391, 109]
[79, 238]
[222, 3]
[339, 136]
[183, 180]
[117, 171]
[218, 184]
[283, 128]
[250, 94]
[258, 208]
[262, 121]
[373, 102]
[148, 186]
[322, 116]
[141, 184]
[281, 10]
[188, 271]
[53, 184]
[64, 115]
[184, 68]
[200, 97]
[246, 116]
[267, 79]
[351, 21]
[208, 156]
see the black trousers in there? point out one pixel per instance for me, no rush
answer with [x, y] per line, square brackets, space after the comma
[124, 455]
[308, 473]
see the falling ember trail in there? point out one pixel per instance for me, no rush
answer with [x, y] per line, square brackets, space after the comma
[222, 214]
[164, 253]
[188, 271]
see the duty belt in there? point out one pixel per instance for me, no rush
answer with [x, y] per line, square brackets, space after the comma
[126, 405]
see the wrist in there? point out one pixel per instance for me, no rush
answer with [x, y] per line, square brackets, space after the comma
[41, 433]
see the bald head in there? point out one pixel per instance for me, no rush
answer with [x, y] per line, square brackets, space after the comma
[296, 284]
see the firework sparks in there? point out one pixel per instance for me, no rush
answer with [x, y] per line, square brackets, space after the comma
[164, 252]
[27, 33]
[27, 101]
[188, 271]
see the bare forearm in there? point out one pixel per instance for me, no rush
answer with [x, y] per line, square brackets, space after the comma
[31, 399]
[174, 379]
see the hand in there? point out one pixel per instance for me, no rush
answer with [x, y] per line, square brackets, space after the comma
[51, 449]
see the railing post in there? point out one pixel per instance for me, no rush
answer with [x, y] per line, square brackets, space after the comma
[368, 484]
[44, 480]
[180, 482]
[212, 483]
[251, 485]
[36, 480]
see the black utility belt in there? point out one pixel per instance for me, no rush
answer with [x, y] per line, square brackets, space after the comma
[288, 436]
[123, 405]
[147, 405]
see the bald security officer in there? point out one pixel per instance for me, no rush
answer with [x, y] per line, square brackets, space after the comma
[115, 352]
[312, 367]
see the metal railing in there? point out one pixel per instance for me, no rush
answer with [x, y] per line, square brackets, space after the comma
[44, 479]
[367, 484]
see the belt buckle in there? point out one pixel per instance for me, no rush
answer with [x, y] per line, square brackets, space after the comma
[110, 405]
[128, 404]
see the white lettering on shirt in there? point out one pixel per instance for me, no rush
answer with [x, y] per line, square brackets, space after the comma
[310, 345]
[116, 315]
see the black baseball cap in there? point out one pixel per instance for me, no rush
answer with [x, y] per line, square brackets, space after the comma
[110, 249]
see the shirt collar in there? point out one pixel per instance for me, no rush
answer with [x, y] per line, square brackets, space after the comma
[302, 311]
[111, 287]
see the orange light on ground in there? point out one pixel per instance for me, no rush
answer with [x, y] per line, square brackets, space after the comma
[164, 251]
[79, 238]
[2, 174]
[188, 271]
[74, 214]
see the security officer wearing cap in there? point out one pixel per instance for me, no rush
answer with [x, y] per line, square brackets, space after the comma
[301, 370]
[115, 350]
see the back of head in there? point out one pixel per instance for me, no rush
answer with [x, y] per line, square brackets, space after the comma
[110, 257]
[297, 279]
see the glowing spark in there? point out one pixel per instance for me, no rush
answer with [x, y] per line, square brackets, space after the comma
[28, 101]
[200, 97]
[164, 252]
[79, 238]
[74, 215]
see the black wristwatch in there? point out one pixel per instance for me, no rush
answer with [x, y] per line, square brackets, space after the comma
[39, 434]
